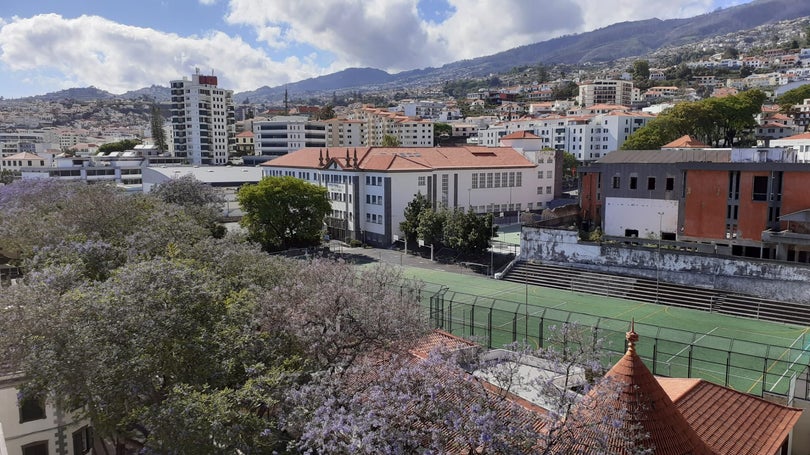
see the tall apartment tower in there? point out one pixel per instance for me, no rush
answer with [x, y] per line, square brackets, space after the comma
[203, 124]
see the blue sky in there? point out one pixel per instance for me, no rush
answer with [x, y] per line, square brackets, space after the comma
[48, 45]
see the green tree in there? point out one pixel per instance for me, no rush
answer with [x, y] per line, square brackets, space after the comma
[326, 112]
[284, 212]
[641, 70]
[431, 226]
[570, 164]
[410, 226]
[565, 90]
[120, 146]
[467, 232]
[787, 100]
[7, 176]
[389, 140]
[156, 124]
[442, 132]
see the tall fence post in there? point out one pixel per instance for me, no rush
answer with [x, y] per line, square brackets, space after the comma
[489, 329]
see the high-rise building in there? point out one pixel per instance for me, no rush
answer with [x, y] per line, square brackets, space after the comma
[202, 119]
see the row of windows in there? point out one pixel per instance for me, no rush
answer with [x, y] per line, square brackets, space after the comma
[497, 180]
[374, 199]
[22, 163]
[651, 183]
[549, 174]
[373, 180]
[540, 190]
[374, 218]
[340, 197]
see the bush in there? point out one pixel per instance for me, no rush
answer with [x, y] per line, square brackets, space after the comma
[354, 243]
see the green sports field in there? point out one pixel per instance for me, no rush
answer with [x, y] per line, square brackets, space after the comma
[745, 354]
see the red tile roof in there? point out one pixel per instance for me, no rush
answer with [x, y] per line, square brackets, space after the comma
[521, 135]
[394, 159]
[731, 422]
[643, 407]
[685, 142]
[798, 137]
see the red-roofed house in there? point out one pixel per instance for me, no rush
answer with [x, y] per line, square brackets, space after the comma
[678, 416]
[369, 187]
[684, 142]
[798, 142]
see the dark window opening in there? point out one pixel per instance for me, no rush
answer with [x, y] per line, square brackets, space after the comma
[631, 232]
[760, 192]
[32, 408]
[633, 183]
[617, 182]
[35, 448]
[670, 184]
[650, 183]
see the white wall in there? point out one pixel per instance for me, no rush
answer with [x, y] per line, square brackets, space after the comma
[641, 215]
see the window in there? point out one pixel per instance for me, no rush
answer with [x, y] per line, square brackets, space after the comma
[82, 440]
[421, 180]
[650, 183]
[474, 181]
[32, 408]
[760, 188]
[670, 184]
[519, 179]
[633, 183]
[617, 182]
[548, 190]
[498, 180]
[549, 174]
[539, 190]
[35, 448]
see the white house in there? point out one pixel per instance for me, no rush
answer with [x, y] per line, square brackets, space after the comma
[798, 142]
[370, 187]
[35, 427]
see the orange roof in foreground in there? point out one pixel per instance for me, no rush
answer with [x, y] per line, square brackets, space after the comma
[648, 409]
[685, 142]
[731, 422]
[403, 158]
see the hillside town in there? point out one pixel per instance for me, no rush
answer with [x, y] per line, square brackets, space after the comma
[709, 214]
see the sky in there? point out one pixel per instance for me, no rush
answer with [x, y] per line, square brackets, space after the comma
[50, 45]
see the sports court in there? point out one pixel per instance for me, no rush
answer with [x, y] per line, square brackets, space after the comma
[745, 354]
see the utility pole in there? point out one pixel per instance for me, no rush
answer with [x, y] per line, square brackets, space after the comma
[658, 259]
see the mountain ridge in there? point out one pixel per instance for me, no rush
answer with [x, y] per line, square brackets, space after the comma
[610, 43]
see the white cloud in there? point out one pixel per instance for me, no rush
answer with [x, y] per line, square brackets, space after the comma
[91, 50]
[385, 34]
[389, 34]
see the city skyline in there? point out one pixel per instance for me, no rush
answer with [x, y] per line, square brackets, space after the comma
[51, 45]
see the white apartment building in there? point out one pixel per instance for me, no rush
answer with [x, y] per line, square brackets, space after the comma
[279, 135]
[606, 91]
[587, 137]
[424, 109]
[370, 187]
[409, 131]
[345, 133]
[203, 119]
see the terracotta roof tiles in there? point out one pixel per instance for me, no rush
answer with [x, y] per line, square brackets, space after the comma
[405, 158]
[685, 142]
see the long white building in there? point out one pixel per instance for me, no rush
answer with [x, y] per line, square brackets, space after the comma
[369, 187]
[203, 120]
[587, 137]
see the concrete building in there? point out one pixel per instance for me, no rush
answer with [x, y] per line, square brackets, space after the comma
[743, 202]
[605, 91]
[282, 134]
[587, 137]
[370, 187]
[203, 118]
[409, 131]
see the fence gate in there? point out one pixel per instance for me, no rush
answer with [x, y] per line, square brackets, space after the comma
[437, 307]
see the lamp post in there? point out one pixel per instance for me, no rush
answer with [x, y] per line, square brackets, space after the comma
[469, 204]
[658, 259]
[492, 244]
